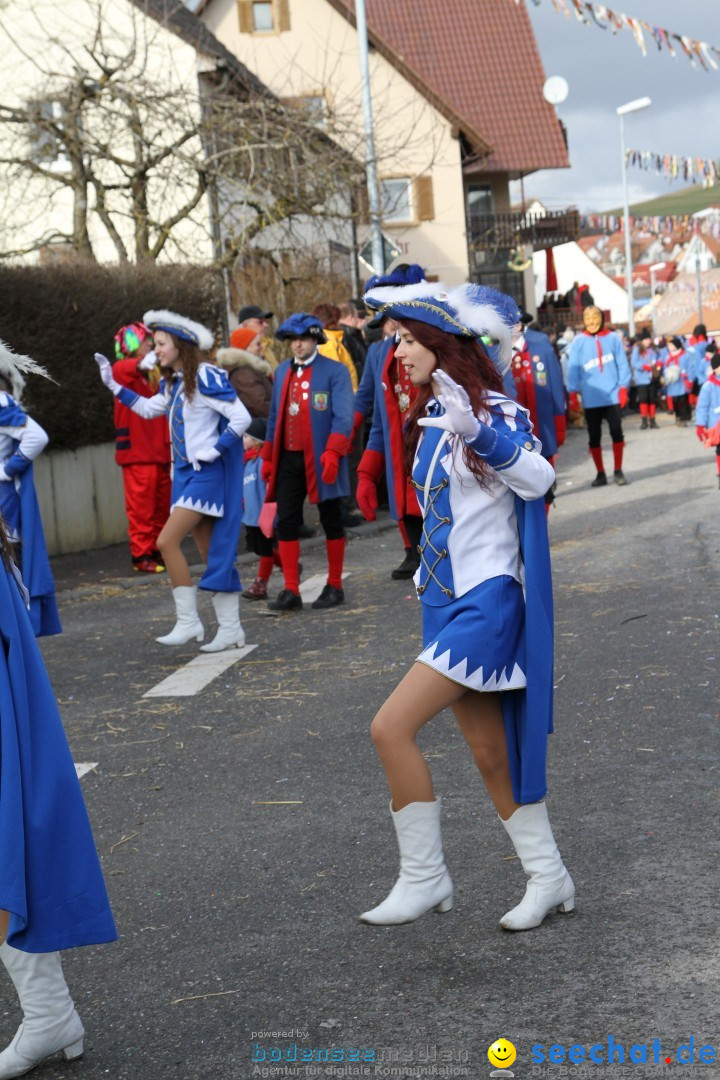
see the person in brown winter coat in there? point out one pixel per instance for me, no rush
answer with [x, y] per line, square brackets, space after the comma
[250, 375]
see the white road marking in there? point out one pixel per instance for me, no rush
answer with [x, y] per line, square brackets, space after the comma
[311, 589]
[83, 767]
[195, 676]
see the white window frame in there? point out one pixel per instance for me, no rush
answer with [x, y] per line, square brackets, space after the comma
[392, 219]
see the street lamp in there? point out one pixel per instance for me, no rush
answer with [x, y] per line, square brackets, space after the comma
[653, 269]
[632, 106]
[375, 207]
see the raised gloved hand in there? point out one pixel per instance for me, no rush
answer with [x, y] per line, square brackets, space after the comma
[623, 397]
[330, 461]
[106, 373]
[148, 362]
[458, 417]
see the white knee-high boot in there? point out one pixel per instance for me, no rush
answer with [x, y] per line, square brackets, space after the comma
[550, 886]
[188, 625]
[50, 1022]
[229, 632]
[424, 882]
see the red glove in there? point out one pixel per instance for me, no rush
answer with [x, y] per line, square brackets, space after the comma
[712, 438]
[330, 462]
[623, 397]
[370, 469]
[266, 467]
[701, 432]
[560, 429]
[575, 402]
[647, 367]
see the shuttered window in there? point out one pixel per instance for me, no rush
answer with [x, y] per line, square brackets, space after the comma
[263, 16]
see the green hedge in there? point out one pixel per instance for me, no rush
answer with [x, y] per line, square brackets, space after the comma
[61, 314]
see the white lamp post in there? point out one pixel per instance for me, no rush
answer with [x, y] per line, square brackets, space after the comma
[378, 253]
[632, 106]
[653, 270]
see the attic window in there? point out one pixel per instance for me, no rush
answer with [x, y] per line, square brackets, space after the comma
[263, 16]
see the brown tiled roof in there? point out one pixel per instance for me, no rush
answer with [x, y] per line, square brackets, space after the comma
[478, 61]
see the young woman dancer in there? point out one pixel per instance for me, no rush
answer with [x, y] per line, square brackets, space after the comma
[207, 422]
[484, 583]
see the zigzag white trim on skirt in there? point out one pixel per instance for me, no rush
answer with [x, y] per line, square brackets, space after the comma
[477, 680]
[200, 508]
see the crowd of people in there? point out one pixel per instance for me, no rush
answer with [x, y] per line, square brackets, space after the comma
[447, 402]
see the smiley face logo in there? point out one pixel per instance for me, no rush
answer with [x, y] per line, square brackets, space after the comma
[502, 1053]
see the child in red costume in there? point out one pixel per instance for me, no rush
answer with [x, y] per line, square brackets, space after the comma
[142, 448]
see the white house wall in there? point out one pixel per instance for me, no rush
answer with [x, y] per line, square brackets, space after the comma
[319, 55]
[573, 265]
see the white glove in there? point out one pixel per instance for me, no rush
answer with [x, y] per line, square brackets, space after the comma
[148, 362]
[458, 416]
[4, 478]
[209, 455]
[106, 373]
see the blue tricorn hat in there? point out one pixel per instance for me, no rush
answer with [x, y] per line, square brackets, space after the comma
[401, 275]
[472, 311]
[301, 325]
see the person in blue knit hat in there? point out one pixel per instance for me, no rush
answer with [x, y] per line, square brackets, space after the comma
[386, 389]
[484, 583]
[305, 455]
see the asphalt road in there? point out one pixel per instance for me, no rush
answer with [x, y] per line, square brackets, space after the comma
[242, 830]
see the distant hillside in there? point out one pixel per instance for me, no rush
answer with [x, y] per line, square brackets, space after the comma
[687, 201]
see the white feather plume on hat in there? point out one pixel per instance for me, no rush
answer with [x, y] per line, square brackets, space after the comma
[11, 366]
[182, 326]
[486, 311]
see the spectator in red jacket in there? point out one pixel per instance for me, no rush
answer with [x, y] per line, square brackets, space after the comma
[142, 448]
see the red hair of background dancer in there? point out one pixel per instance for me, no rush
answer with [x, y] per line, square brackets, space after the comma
[465, 361]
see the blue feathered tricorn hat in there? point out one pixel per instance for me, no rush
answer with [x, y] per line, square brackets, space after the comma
[404, 274]
[180, 327]
[301, 325]
[469, 310]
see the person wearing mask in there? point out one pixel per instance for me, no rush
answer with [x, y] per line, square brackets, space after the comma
[599, 374]
[142, 449]
[647, 371]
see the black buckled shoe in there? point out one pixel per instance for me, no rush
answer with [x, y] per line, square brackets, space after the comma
[619, 478]
[329, 597]
[286, 601]
[600, 480]
[407, 567]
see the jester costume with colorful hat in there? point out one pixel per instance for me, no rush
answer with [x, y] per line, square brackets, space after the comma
[21, 441]
[305, 454]
[142, 448]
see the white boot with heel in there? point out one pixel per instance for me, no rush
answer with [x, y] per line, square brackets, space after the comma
[188, 626]
[550, 886]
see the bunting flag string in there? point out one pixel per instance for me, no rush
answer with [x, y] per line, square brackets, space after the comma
[699, 53]
[676, 167]
[656, 224]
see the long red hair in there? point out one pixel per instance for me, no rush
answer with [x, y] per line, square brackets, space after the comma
[465, 361]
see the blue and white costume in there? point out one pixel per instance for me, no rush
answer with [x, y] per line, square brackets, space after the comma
[206, 438]
[21, 441]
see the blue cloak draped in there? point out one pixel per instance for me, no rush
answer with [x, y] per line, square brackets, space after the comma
[50, 876]
[221, 574]
[528, 713]
[34, 562]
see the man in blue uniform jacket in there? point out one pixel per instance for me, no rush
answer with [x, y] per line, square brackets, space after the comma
[305, 454]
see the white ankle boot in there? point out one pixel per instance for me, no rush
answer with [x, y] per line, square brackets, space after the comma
[188, 625]
[50, 1022]
[424, 882]
[550, 886]
[230, 632]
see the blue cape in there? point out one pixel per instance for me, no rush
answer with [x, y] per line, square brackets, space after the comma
[35, 565]
[528, 713]
[221, 574]
[50, 876]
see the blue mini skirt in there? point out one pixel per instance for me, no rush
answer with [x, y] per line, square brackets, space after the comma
[478, 640]
[202, 490]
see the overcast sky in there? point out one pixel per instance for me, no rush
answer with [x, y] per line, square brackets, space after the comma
[604, 71]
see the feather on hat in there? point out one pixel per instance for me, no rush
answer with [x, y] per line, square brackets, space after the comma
[12, 365]
[181, 327]
[468, 310]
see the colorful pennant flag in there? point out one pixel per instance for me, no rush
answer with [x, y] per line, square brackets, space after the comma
[674, 166]
[699, 53]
